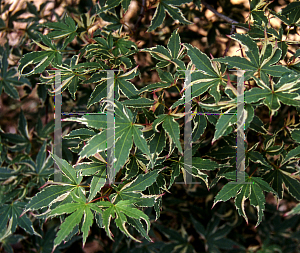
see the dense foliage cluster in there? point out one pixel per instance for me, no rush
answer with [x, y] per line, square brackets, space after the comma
[85, 42]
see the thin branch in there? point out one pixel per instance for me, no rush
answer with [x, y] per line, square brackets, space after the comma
[141, 14]
[227, 19]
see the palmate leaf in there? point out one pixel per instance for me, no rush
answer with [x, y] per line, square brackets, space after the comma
[8, 79]
[290, 15]
[257, 157]
[42, 59]
[125, 134]
[61, 29]
[70, 76]
[166, 56]
[81, 133]
[89, 168]
[121, 83]
[80, 212]
[138, 103]
[13, 212]
[252, 190]
[167, 80]
[174, 12]
[262, 63]
[214, 235]
[21, 141]
[201, 61]
[120, 211]
[284, 93]
[206, 77]
[279, 177]
[114, 50]
[198, 164]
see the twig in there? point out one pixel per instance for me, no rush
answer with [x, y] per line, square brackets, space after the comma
[141, 15]
[227, 19]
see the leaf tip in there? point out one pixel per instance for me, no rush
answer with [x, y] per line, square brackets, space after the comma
[23, 213]
[213, 205]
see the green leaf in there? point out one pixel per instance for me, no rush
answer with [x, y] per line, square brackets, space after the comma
[200, 124]
[172, 129]
[250, 46]
[125, 4]
[42, 58]
[223, 123]
[255, 94]
[158, 18]
[140, 141]
[67, 226]
[89, 168]
[295, 210]
[174, 44]
[8, 78]
[67, 169]
[99, 93]
[96, 144]
[47, 196]
[22, 126]
[61, 29]
[204, 164]
[175, 13]
[13, 212]
[295, 133]
[175, 172]
[252, 189]
[238, 62]
[257, 157]
[81, 133]
[141, 182]
[227, 192]
[164, 75]
[200, 60]
[159, 15]
[138, 103]
[108, 5]
[119, 211]
[127, 88]
[65, 208]
[124, 207]
[154, 86]
[88, 220]
[278, 177]
[122, 149]
[96, 121]
[137, 224]
[257, 199]
[97, 183]
[294, 153]
[157, 144]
